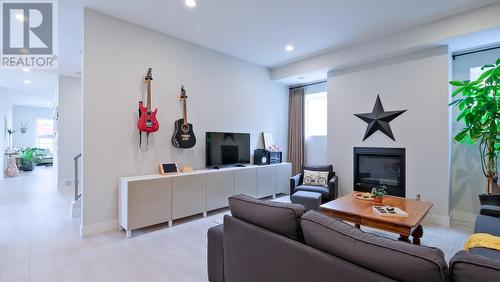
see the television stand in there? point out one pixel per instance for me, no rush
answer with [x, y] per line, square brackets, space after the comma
[228, 166]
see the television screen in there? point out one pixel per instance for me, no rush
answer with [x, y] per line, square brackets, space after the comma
[226, 148]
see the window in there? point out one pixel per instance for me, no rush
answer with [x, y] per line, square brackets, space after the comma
[475, 73]
[45, 134]
[316, 114]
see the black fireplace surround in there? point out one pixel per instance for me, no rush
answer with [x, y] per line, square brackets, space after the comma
[380, 166]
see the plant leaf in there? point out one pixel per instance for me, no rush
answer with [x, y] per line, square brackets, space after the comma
[456, 91]
[457, 83]
[461, 135]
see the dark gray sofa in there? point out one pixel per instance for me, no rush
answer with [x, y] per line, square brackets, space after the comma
[269, 241]
[479, 264]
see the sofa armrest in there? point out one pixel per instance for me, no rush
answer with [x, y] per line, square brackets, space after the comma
[215, 254]
[490, 210]
[465, 266]
[333, 187]
[294, 182]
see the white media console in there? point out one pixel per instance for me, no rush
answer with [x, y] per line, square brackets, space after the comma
[152, 199]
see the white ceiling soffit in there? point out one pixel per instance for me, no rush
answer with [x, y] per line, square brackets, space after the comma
[259, 30]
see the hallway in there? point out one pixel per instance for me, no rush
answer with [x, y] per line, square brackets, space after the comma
[40, 242]
[34, 225]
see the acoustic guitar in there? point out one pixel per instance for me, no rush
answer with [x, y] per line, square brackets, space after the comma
[183, 135]
[147, 118]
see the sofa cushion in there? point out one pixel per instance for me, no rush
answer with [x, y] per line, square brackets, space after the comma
[318, 189]
[494, 254]
[281, 218]
[466, 266]
[398, 260]
[487, 224]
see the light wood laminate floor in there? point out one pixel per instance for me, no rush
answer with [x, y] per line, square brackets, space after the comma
[40, 242]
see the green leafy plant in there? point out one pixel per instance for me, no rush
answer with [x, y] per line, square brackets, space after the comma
[29, 157]
[480, 111]
[379, 191]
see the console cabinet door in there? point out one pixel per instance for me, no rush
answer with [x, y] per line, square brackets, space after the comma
[245, 181]
[149, 203]
[189, 194]
[266, 181]
[220, 186]
[283, 175]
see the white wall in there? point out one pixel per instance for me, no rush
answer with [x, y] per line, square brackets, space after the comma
[28, 115]
[69, 126]
[467, 179]
[225, 94]
[418, 84]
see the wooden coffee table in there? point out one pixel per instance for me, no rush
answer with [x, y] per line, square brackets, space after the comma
[360, 212]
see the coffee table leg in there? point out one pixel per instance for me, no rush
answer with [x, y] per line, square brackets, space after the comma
[403, 238]
[357, 225]
[417, 234]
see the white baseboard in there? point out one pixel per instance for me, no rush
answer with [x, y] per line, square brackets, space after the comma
[438, 219]
[463, 216]
[98, 228]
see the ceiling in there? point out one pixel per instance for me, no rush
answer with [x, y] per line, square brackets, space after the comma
[40, 92]
[259, 30]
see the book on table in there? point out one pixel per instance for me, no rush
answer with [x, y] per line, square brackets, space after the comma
[389, 211]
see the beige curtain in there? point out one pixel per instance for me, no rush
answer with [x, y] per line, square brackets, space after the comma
[296, 129]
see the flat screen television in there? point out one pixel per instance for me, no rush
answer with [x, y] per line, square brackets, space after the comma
[227, 149]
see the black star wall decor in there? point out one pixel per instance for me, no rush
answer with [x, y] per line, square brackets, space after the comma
[379, 119]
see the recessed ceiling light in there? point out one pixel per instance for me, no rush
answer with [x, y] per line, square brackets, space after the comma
[20, 17]
[27, 81]
[26, 69]
[289, 48]
[190, 3]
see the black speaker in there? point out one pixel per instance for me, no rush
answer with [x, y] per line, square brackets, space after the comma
[260, 157]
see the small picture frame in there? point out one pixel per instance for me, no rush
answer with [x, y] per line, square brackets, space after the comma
[268, 139]
[168, 168]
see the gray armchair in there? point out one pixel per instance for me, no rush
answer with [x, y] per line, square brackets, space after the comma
[327, 193]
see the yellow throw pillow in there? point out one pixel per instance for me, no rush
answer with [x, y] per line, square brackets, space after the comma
[315, 178]
[482, 240]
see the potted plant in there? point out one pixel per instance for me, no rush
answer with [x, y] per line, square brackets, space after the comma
[479, 109]
[378, 193]
[29, 158]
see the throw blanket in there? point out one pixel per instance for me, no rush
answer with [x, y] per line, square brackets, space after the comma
[482, 240]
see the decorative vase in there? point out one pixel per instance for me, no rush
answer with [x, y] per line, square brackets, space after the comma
[378, 200]
[11, 170]
[27, 165]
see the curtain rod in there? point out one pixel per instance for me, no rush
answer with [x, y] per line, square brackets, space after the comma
[306, 85]
[475, 51]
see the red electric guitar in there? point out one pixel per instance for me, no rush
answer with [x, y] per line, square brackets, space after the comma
[147, 118]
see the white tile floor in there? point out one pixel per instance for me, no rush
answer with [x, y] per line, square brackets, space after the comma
[40, 242]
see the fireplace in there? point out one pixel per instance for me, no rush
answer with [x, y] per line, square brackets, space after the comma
[380, 166]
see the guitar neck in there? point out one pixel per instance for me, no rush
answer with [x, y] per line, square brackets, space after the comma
[148, 86]
[184, 109]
